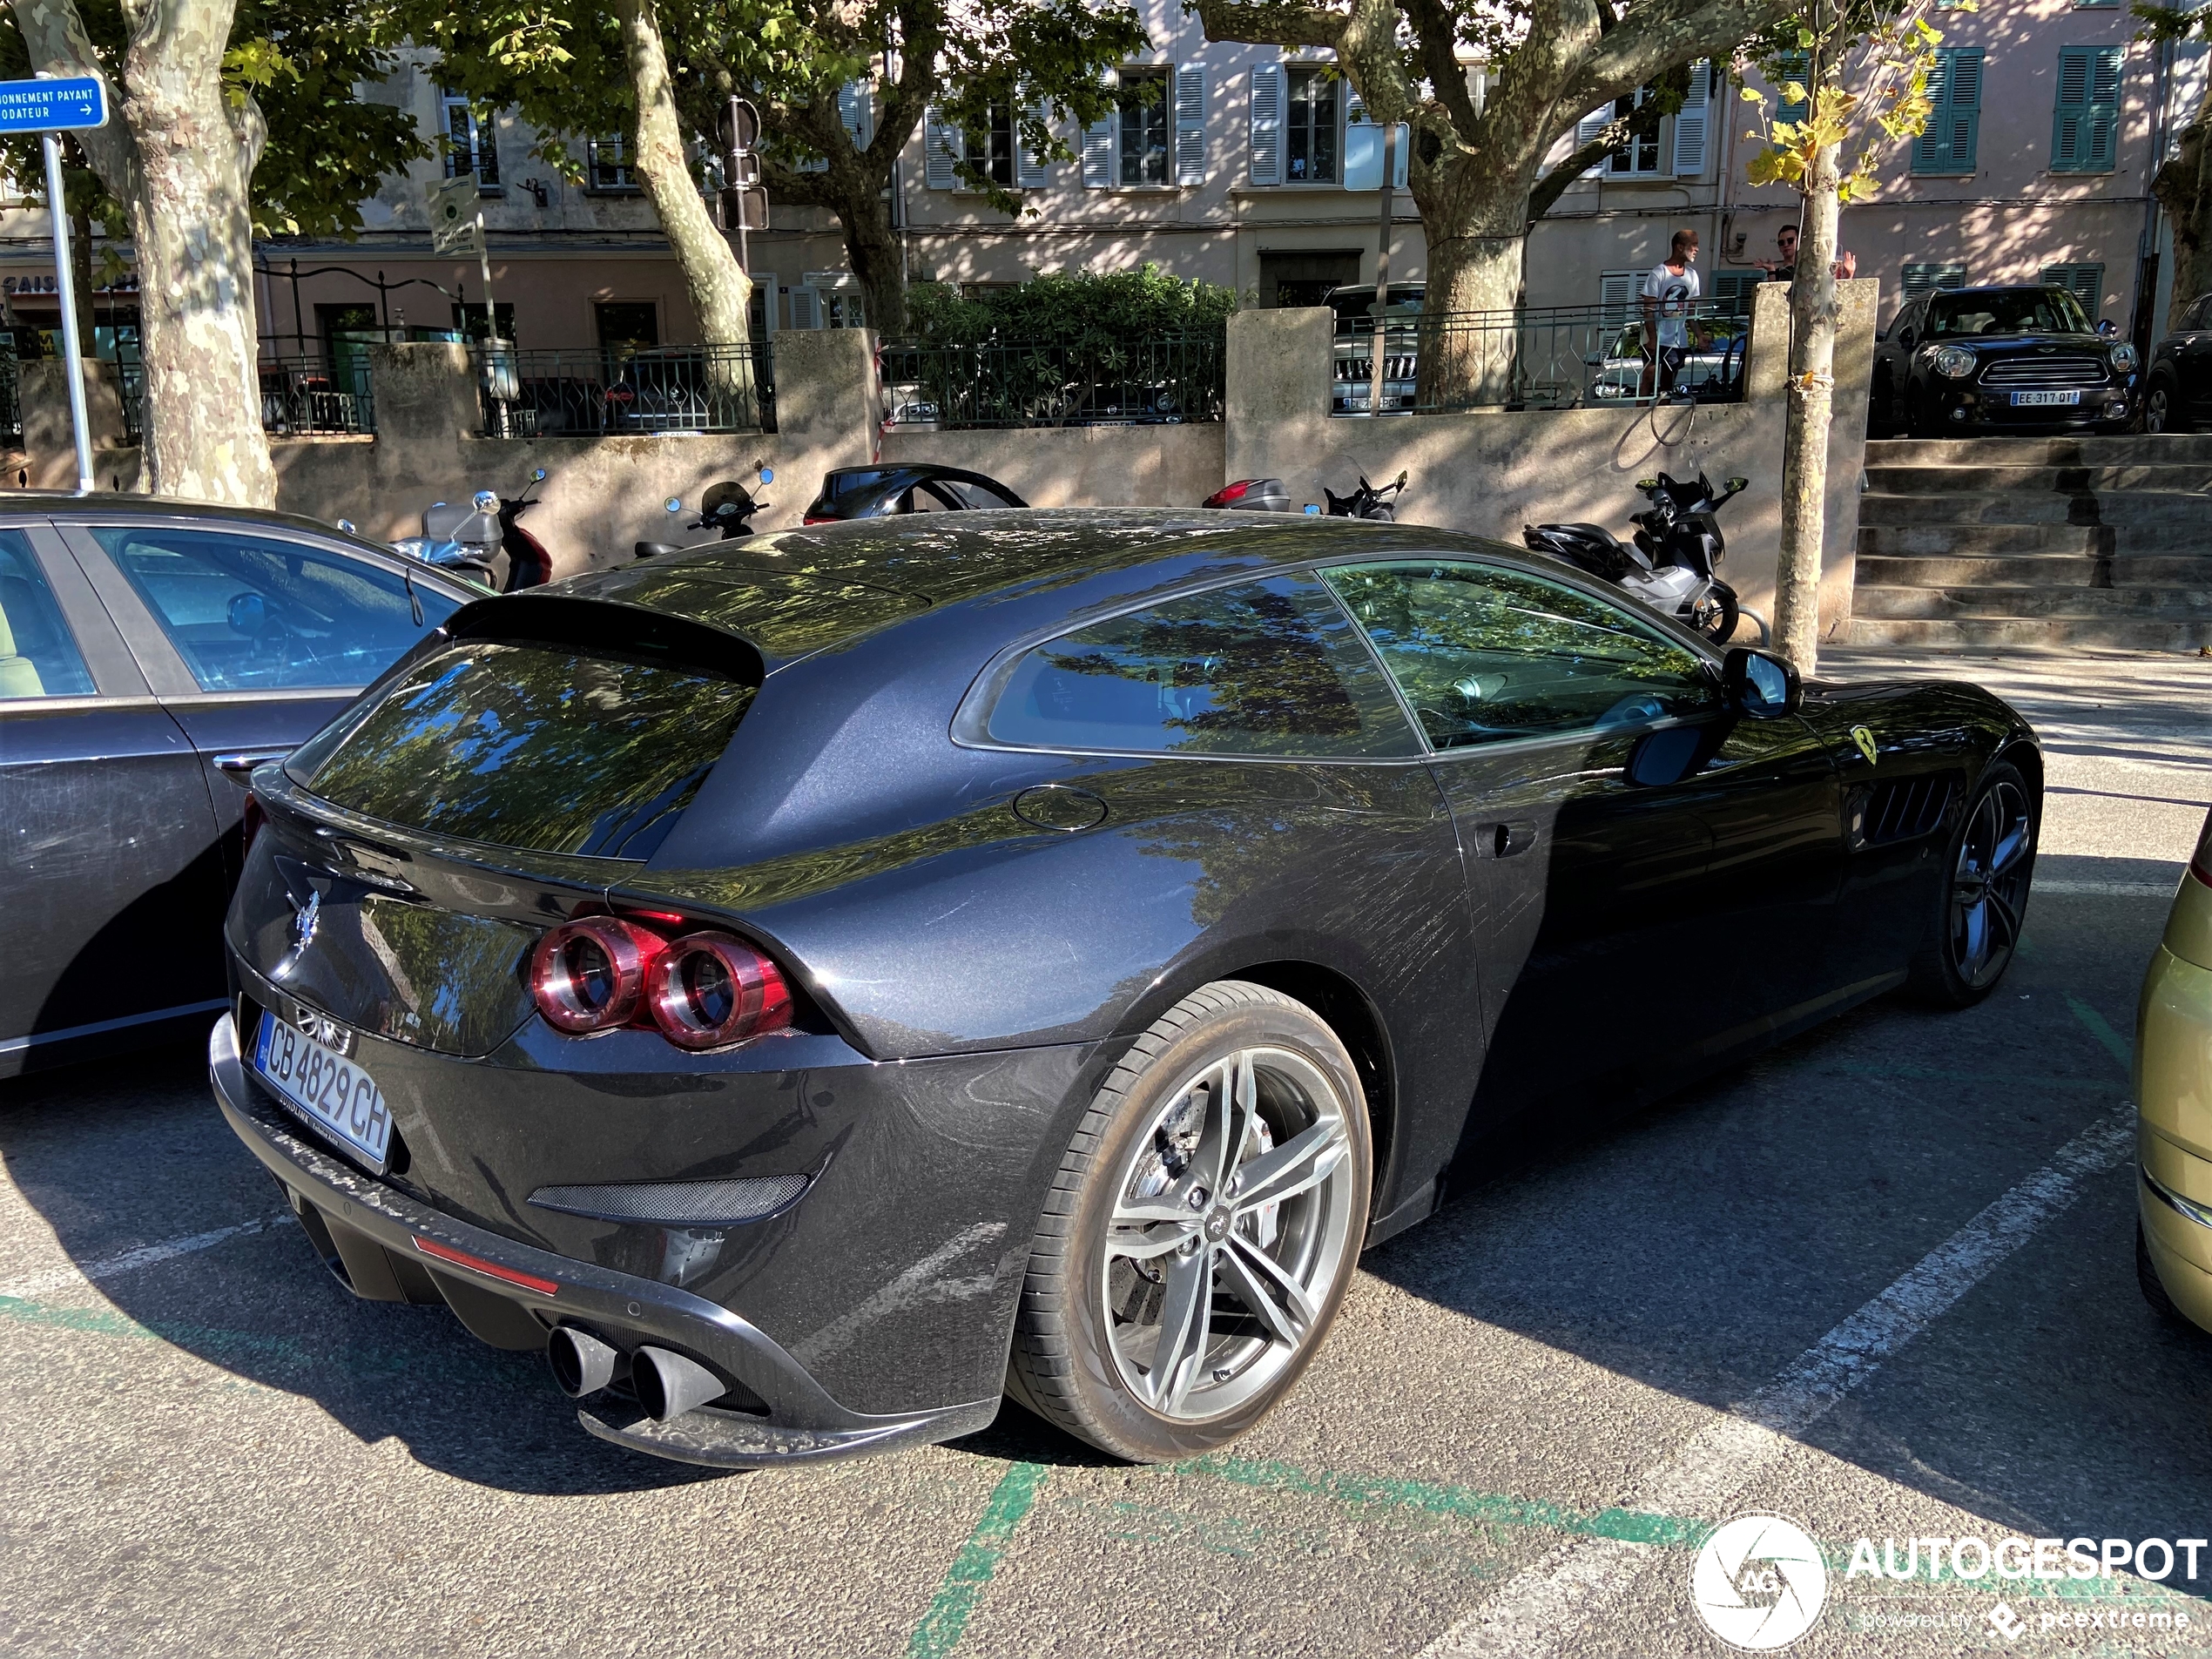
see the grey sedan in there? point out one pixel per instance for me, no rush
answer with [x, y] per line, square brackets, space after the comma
[151, 653]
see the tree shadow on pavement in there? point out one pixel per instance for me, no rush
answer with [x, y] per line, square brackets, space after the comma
[103, 1153]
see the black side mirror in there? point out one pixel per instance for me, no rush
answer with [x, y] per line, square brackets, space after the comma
[1904, 337]
[1760, 685]
[2107, 328]
[248, 614]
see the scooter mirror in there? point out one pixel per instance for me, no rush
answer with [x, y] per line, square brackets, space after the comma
[767, 474]
[537, 475]
[485, 502]
[1734, 484]
[674, 503]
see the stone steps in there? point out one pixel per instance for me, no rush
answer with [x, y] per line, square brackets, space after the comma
[2136, 449]
[2036, 633]
[2036, 543]
[2032, 571]
[2180, 511]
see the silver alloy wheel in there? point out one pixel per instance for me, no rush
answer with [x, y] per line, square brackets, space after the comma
[1232, 1216]
[2156, 409]
[1989, 885]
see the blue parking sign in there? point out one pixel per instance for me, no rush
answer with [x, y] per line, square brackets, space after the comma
[53, 105]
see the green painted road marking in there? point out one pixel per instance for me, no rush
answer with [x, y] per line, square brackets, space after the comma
[1375, 1492]
[2112, 1039]
[946, 1621]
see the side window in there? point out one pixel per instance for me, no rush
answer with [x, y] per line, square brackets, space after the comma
[253, 613]
[1485, 655]
[38, 657]
[2194, 316]
[1268, 667]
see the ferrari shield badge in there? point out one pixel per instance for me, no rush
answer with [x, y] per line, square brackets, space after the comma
[1864, 738]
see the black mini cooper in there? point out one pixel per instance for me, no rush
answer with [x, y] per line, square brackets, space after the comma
[1985, 362]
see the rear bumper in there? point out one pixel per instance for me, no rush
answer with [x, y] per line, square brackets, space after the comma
[387, 1246]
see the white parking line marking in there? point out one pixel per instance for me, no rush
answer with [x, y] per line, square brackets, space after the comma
[131, 1261]
[2111, 889]
[1540, 1607]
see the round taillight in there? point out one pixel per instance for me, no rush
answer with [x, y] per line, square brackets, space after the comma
[709, 990]
[589, 975]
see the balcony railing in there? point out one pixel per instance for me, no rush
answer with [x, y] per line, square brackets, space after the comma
[1170, 381]
[1549, 358]
[588, 394]
[307, 397]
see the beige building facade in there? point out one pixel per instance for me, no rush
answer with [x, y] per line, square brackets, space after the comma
[1254, 168]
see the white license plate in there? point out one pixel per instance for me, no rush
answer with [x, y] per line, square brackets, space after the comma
[324, 1087]
[2038, 399]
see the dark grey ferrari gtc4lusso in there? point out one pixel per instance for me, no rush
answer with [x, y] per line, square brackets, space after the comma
[813, 986]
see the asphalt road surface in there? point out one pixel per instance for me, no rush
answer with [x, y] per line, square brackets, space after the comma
[1878, 1282]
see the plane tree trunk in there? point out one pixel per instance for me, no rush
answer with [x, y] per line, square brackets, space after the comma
[180, 157]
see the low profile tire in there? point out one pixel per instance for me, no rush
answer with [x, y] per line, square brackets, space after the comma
[2161, 408]
[1988, 864]
[1201, 1232]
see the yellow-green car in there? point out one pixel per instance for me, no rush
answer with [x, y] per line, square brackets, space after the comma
[2174, 1104]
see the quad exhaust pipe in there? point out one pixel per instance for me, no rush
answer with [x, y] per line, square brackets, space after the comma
[667, 1385]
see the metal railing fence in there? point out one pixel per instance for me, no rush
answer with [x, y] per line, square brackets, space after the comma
[1167, 380]
[1560, 357]
[311, 396]
[593, 393]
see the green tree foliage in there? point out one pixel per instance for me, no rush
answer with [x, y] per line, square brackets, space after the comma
[305, 63]
[559, 62]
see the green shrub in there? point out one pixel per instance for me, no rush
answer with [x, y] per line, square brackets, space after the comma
[1069, 309]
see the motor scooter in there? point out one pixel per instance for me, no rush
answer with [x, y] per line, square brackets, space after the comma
[1674, 563]
[1269, 495]
[467, 540]
[727, 506]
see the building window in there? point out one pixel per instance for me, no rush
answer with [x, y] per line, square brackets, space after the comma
[626, 326]
[1642, 156]
[1616, 297]
[470, 149]
[990, 147]
[1147, 122]
[1730, 292]
[607, 165]
[2085, 282]
[1954, 132]
[1791, 66]
[2084, 129]
[1312, 126]
[1925, 279]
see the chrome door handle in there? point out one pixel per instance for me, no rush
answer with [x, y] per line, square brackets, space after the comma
[239, 766]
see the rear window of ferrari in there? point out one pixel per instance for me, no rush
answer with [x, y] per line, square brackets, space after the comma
[531, 745]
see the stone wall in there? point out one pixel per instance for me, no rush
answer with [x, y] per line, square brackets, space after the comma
[1488, 472]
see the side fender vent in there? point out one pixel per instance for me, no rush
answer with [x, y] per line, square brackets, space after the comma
[1902, 811]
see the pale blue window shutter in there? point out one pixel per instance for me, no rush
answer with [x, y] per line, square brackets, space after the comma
[1190, 125]
[1029, 171]
[1590, 130]
[2085, 129]
[1100, 139]
[1924, 278]
[1267, 124]
[855, 110]
[1616, 295]
[1795, 66]
[1953, 134]
[943, 145]
[2085, 282]
[1692, 121]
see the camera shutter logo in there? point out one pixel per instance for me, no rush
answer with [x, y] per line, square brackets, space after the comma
[1758, 1583]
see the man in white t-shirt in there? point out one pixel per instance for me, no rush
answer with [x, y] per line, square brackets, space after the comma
[1669, 293]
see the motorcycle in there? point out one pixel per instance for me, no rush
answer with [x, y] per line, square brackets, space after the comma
[1674, 562]
[1269, 495]
[466, 540]
[1367, 502]
[727, 506]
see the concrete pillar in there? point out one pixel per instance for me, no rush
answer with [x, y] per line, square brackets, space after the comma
[50, 445]
[1846, 451]
[424, 393]
[1766, 360]
[829, 408]
[1276, 412]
